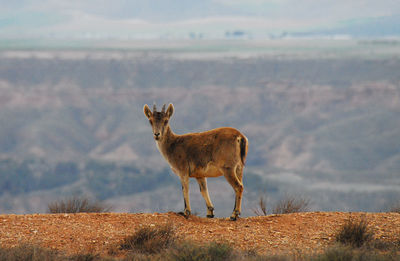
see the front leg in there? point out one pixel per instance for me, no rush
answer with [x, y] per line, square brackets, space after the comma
[185, 191]
[204, 191]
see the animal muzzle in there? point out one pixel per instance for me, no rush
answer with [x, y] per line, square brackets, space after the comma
[157, 136]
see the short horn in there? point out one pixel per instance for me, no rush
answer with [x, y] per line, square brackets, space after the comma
[163, 108]
[154, 108]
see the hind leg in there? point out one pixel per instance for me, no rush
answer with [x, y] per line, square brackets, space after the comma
[231, 177]
[204, 192]
[239, 173]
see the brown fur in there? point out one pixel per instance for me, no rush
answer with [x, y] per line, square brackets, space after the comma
[201, 155]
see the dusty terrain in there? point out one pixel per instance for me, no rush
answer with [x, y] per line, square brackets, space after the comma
[98, 233]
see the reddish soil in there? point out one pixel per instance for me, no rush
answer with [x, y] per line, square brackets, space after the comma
[273, 234]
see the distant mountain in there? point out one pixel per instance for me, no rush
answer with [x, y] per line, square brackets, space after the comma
[324, 127]
[386, 26]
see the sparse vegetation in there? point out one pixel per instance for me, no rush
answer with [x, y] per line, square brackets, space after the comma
[348, 253]
[86, 257]
[27, 253]
[291, 204]
[150, 240]
[356, 242]
[36, 253]
[211, 252]
[382, 245]
[187, 250]
[77, 204]
[261, 209]
[161, 242]
[336, 253]
[355, 233]
[395, 207]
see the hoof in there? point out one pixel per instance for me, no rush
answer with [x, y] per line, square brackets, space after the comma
[186, 213]
[210, 212]
[235, 215]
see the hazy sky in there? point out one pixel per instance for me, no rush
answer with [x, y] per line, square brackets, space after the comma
[136, 17]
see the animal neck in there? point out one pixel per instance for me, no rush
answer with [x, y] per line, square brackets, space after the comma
[169, 137]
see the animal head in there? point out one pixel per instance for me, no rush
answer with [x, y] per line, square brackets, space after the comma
[159, 120]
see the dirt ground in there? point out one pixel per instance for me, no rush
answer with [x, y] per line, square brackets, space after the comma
[274, 234]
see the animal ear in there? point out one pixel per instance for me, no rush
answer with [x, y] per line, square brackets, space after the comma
[147, 111]
[170, 110]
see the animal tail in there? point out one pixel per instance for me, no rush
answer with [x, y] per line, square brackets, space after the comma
[244, 143]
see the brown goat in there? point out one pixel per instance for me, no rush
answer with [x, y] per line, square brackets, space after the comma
[201, 155]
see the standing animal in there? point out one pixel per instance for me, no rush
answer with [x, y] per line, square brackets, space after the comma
[201, 155]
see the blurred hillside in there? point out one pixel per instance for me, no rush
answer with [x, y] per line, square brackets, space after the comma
[72, 121]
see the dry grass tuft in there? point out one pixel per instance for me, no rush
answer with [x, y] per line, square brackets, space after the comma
[395, 208]
[77, 204]
[27, 252]
[291, 204]
[261, 209]
[213, 251]
[354, 233]
[150, 240]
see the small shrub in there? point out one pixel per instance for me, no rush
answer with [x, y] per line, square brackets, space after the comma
[219, 251]
[336, 253]
[291, 204]
[354, 233]
[35, 253]
[261, 209]
[213, 251]
[347, 253]
[135, 256]
[26, 253]
[395, 208]
[384, 245]
[85, 257]
[77, 204]
[187, 251]
[150, 240]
